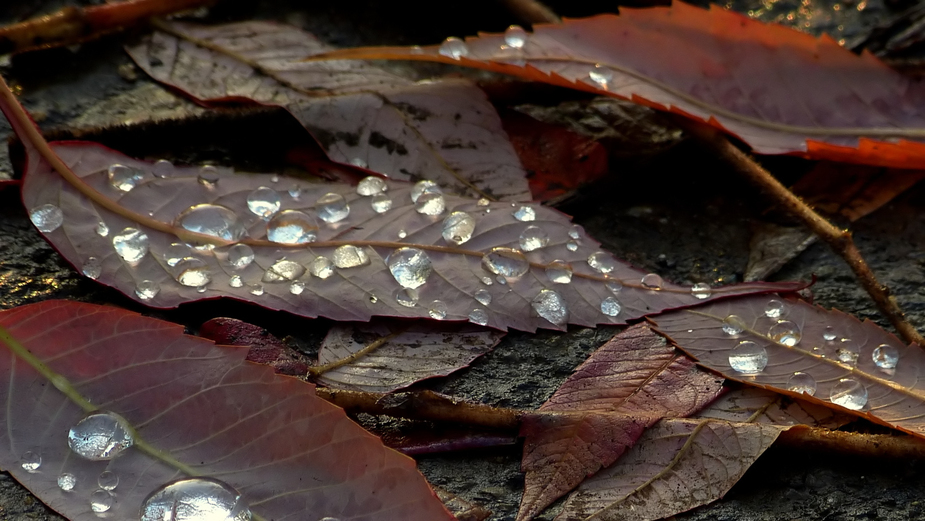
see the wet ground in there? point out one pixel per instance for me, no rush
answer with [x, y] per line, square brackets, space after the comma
[679, 213]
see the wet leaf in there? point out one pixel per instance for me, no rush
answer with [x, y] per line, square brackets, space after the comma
[772, 246]
[753, 405]
[444, 130]
[191, 409]
[264, 349]
[625, 386]
[779, 90]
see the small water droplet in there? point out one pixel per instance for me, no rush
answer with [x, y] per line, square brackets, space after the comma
[848, 352]
[486, 280]
[193, 272]
[505, 262]
[373, 299]
[478, 316]
[329, 518]
[849, 393]
[108, 480]
[371, 185]
[257, 290]
[437, 310]
[240, 256]
[359, 162]
[283, 271]
[571, 246]
[349, 256]
[829, 334]
[263, 202]
[195, 499]
[533, 238]
[30, 461]
[101, 229]
[297, 287]
[611, 307]
[410, 267]
[501, 280]
[47, 217]
[381, 203]
[321, 267]
[601, 75]
[785, 332]
[701, 290]
[550, 305]
[147, 289]
[100, 436]
[886, 356]
[602, 262]
[236, 281]
[208, 177]
[733, 325]
[525, 213]
[748, 358]
[67, 481]
[162, 168]
[402, 234]
[212, 219]
[332, 207]
[574, 232]
[430, 204]
[483, 297]
[482, 202]
[424, 187]
[454, 48]
[131, 244]
[101, 500]
[92, 268]
[652, 281]
[176, 252]
[292, 227]
[124, 178]
[515, 37]
[775, 309]
[559, 272]
[407, 297]
[295, 192]
[802, 383]
[201, 289]
[458, 227]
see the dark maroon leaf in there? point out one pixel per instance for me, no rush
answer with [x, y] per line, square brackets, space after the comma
[265, 348]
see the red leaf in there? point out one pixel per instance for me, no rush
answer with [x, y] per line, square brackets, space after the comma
[264, 349]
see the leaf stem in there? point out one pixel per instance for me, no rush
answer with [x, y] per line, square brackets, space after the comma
[318, 370]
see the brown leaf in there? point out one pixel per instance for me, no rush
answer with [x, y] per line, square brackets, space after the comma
[753, 405]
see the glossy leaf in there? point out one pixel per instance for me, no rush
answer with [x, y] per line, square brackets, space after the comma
[779, 90]
[194, 409]
[362, 115]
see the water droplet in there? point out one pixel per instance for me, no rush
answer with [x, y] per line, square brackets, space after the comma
[212, 219]
[195, 499]
[349, 256]
[297, 287]
[407, 297]
[402, 234]
[101, 500]
[371, 185]
[100, 436]
[236, 281]
[201, 289]
[381, 203]
[571, 246]
[359, 162]
[437, 310]
[292, 227]
[458, 227]
[176, 252]
[525, 213]
[410, 267]
[47, 217]
[332, 207]
[274, 178]
[829, 334]
[785, 332]
[30, 461]
[701, 290]
[802, 383]
[478, 316]
[147, 289]
[263, 202]
[283, 271]
[454, 48]
[551, 306]
[67, 481]
[328, 518]
[575, 232]
[162, 168]
[257, 290]
[501, 280]
[193, 273]
[775, 309]
[652, 281]
[321, 267]
[373, 299]
[602, 262]
[424, 187]
[748, 358]
[515, 37]
[124, 178]
[486, 280]
[131, 244]
[506, 262]
[92, 268]
[108, 480]
[559, 272]
[849, 393]
[101, 229]
[483, 202]
[430, 204]
[848, 352]
[611, 307]
[483, 297]
[615, 286]
[733, 325]
[886, 356]
[533, 238]
[601, 75]
[240, 256]
[295, 192]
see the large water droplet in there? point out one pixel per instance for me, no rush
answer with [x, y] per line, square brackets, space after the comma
[101, 500]
[886, 356]
[236, 281]
[550, 305]
[848, 352]
[47, 217]
[785, 332]
[437, 310]
[515, 37]
[849, 393]
[67, 481]
[483, 297]
[454, 48]
[478, 316]
[147, 289]
[100, 436]
[410, 267]
[424, 187]
[733, 325]
[193, 273]
[533, 238]
[430, 204]
[559, 272]
[30, 461]
[652, 281]
[283, 271]
[177, 252]
[240, 256]
[748, 358]
[407, 297]
[349, 256]
[332, 207]
[92, 268]
[108, 480]
[212, 219]
[802, 383]
[321, 267]
[292, 227]
[101, 229]
[371, 185]
[611, 307]
[297, 287]
[775, 309]
[263, 202]
[131, 244]
[124, 178]
[701, 290]
[162, 168]
[195, 499]
[506, 262]
[602, 262]
[458, 227]
[602, 75]
[381, 203]
[525, 213]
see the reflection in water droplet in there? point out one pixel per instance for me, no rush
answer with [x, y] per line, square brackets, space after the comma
[849, 393]
[574, 232]
[193, 273]
[483, 297]
[47, 217]
[559, 272]
[774, 309]
[359, 162]
[236, 281]
[67, 481]
[454, 48]
[802, 383]
[550, 305]
[131, 244]
[525, 213]
[210, 182]
[124, 178]
[483, 202]
[100, 436]
[257, 290]
[848, 352]
[373, 299]
[263, 202]
[201, 289]
[430, 204]
[92, 268]
[410, 267]
[297, 287]
[101, 500]
[601, 75]
[402, 234]
[571, 246]
[321, 267]
[652, 281]
[458, 227]
[30, 461]
[108, 480]
[349, 256]
[748, 358]
[101, 229]
[486, 280]
[785, 332]
[292, 227]
[162, 168]
[506, 262]
[424, 187]
[615, 286]
[295, 192]
[478, 316]
[332, 207]
[701, 290]
[611, 307]
[829, 334]
[371, 185]
[212, 219]
[533, 238]
[240, 256]
[886, 356]
[381, 203]
[147, 289]
[407, 297]
[733, 325]
[515, 37]
[437, 310]
[177, 252]
[283, 271]
[328, 518]
[195, 499]
[602, 262]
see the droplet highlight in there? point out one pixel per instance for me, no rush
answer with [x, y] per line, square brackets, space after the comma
[92, 268]
[297, 287]
[602, 262]
[559, 272]
[131, 244]
[240, 256]
[437, 310]
[47, 217]
[195, 499]
[321, 267]
[652, 281]
[381, 203]
[67, 481]
[701, 290]
[748, 358]
[283, 270]
[785, 332]
[101, 229]
[292, 227]
[602, 75]
[371, 185]
[176, 252]
[430, 204]
[349, 256]
[407, 297]
[147, 289]
[506, 262]
[101, 500]
[550, 305]
[264, 202]
[611, 307]
[803, 383]
[478, 316]
[458, 228]
[525, 213]
[849, 393]
[515, 37]
[332, 208]
[236, 281]
[100, 436]
[886, 356]
[212, 219]
[410, 267]
[124, 178]
[424, 187]
[848, 352]
[774, 309]
[454, 48]
[733, 325]
[30, 461]
[108, 480]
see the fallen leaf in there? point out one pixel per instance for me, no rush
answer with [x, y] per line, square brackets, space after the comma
[753, 405]
[264, 349]
[185, 409]
[772, 246]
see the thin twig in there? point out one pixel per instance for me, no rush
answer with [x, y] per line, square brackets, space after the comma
[318, 370]
[531, 11]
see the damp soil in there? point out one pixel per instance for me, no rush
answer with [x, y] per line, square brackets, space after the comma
[679, 213]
